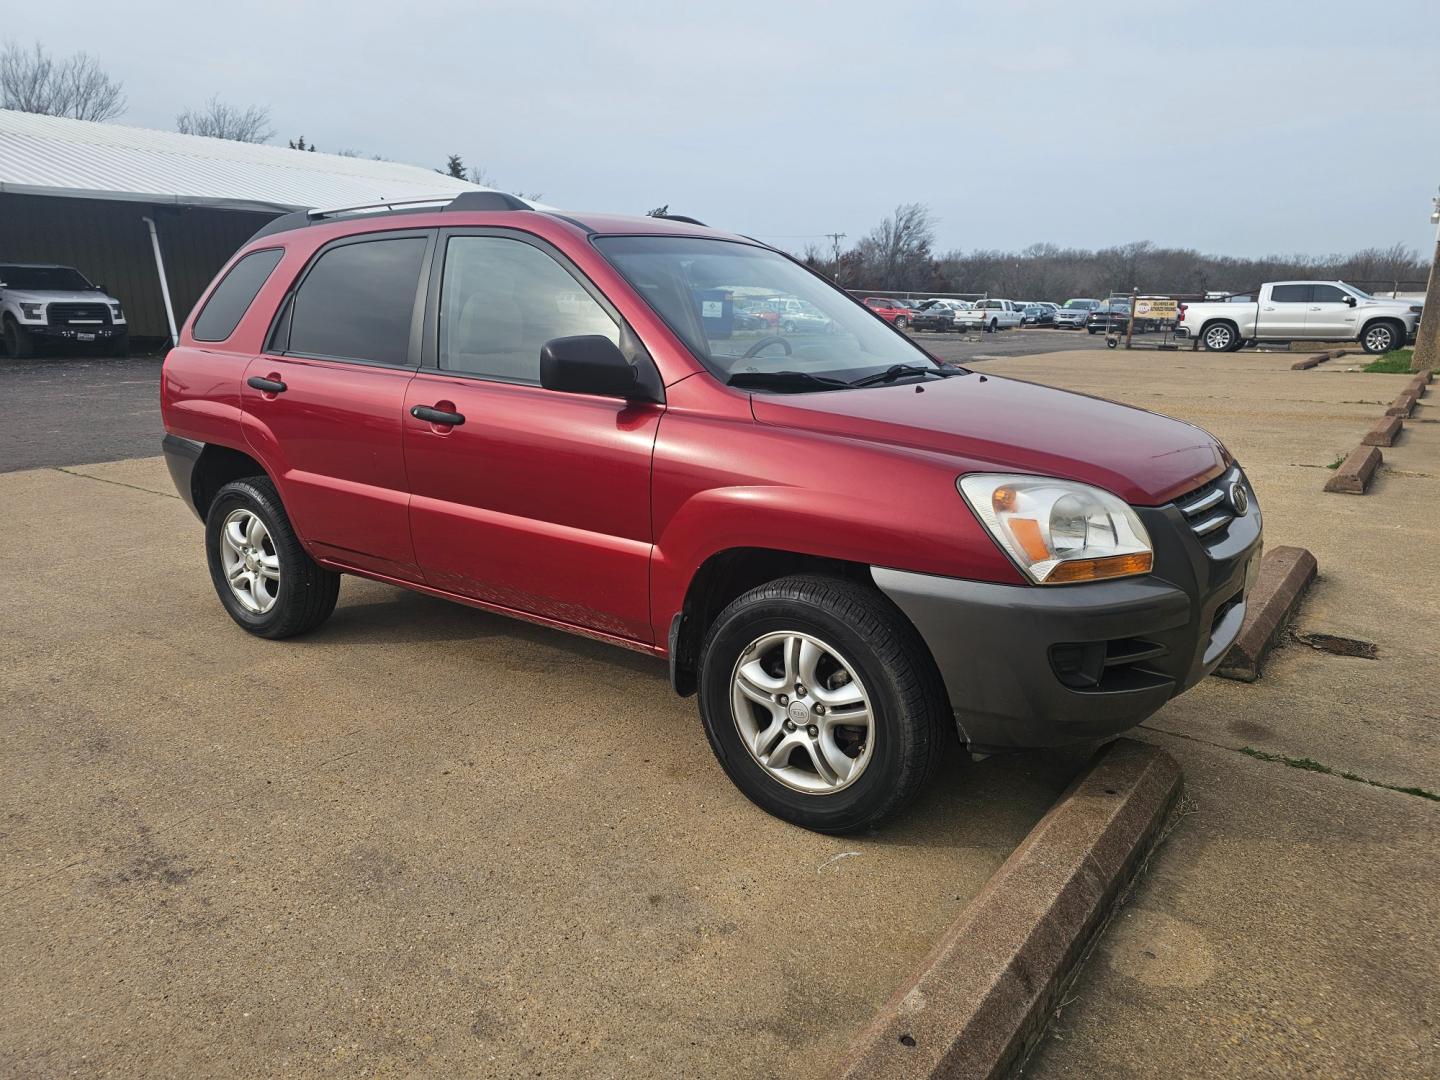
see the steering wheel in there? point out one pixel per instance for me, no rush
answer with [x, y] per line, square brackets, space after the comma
[764, 342]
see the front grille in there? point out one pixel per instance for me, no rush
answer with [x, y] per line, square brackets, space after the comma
[1208, 509]
[78, 315]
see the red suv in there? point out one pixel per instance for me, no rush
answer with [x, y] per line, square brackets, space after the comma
[895, 313]
[852, 553]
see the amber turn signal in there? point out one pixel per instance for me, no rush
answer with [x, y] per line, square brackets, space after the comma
[1111, 566]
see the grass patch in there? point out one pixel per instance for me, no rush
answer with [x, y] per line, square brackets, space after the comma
[1310, 765]
[1392, 363]
[1336, 463]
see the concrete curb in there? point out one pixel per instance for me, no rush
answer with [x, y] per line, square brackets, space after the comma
[1417, 384]
[1384, 432]
[984, 993]
[1285, 575]
[1402, 405]
[1355, 472]
[1310, 362]
[1423, 376]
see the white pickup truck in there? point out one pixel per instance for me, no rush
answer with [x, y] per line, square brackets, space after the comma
[991, 315]
[1301, 311]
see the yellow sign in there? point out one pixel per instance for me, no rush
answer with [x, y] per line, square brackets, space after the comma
[1157, 309]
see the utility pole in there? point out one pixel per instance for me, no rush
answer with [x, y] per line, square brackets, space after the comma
[1427, 337]
[835, 238]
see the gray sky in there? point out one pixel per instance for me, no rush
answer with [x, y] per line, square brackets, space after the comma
[1236, 128]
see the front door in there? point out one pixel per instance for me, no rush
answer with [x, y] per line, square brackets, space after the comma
[1329, 317]
[324, 404]
[537, 501]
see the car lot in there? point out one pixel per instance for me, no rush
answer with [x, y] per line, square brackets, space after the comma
[431, 840]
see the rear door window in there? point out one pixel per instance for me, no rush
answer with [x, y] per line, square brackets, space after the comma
[357, 302]
[234, 295]
[1290, 294]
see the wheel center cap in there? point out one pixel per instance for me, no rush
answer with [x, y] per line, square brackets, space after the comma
[250, 562]
[799, 712]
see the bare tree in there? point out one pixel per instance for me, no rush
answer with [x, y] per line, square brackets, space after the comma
[32, 81]
[659, 211]
[896, 253]
[220, 120]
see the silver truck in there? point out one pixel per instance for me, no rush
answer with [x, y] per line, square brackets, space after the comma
[1301, 311]
[43, 302]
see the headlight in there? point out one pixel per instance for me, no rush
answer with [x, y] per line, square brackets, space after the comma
[32, 311]
[1059, 531]
[116, 314]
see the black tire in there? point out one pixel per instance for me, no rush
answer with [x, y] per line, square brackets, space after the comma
[306, 593]
[1382, 337]
[1092, 329]
[909, 708]
[19, 342]
[900, 322]
[1220, 337]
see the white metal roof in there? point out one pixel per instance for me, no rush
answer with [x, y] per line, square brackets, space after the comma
[52, 155]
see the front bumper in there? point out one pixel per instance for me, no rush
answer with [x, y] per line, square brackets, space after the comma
[1018, 660]
[74, 333]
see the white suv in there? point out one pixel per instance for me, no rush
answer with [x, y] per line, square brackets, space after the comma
[43, 301]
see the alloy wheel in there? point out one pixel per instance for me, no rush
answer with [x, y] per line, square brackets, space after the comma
[1379, 339]
[1217, 338]
[250, 562]
[802, 712]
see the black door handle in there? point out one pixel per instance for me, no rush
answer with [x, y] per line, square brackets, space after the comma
[270, 386]
[437, 416]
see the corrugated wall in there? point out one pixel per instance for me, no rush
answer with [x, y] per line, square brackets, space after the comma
[109, 243]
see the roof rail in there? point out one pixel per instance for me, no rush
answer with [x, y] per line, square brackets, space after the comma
[465, 200]
[681, 217]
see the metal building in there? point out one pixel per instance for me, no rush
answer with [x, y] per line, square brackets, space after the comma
[146, 213]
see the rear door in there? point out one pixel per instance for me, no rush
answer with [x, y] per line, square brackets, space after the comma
[538, 501]
[1329, 317]
[1282, 313]
[344, 349]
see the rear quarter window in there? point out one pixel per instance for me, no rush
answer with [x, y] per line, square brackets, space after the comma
[237, 290]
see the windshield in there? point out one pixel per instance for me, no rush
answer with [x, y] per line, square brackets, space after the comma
[1082, 303]
[43, 278]
[1360, 294]
[749, 310]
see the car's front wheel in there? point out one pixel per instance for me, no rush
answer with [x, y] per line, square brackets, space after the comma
[265, 579]
[821, 702]
[19, 342]
[1381, 337]
[900, 322]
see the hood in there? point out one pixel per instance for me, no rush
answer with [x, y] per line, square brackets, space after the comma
[51, 296]
[993, 424]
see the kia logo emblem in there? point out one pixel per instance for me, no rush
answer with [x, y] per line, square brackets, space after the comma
[1238, 499]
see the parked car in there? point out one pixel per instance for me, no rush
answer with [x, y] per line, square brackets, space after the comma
[1073, 313]
[848, 573]
[49, 303]
[896, 312]
[1300, 311]
[938, 315]
[1111, 317]
[1039, 315]
[797, 316]
[991, 315]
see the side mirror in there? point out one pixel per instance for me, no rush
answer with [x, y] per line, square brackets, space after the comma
[1350, 300]
[589, 364]
[97, 287]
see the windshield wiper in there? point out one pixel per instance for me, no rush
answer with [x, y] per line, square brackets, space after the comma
[785, 380]
[899, 371]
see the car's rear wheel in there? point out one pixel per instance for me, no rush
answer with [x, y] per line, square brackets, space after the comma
[900, 322]
[821, 702]
[264, 578]
[1380, 337]
[1219, 337]
[19, 343]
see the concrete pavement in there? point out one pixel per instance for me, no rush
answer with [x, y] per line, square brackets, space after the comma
[423, 840]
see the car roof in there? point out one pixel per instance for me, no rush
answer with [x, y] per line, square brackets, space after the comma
[36, 266]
